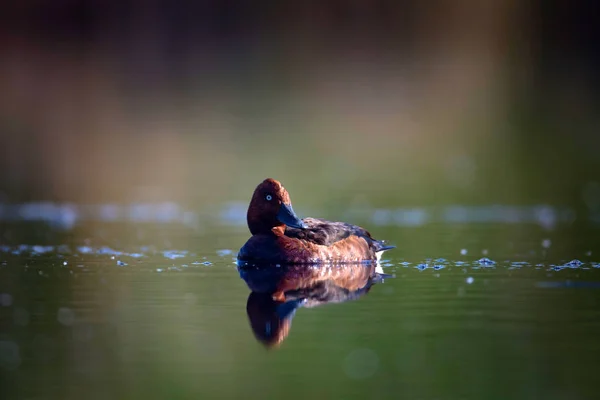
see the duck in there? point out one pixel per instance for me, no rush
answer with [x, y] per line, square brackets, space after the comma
[279, 236]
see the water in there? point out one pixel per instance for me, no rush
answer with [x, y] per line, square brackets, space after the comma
[471, 311]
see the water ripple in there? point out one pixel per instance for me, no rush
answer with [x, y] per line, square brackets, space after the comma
[75, 258]
[66, 215]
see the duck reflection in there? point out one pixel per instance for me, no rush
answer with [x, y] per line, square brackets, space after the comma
[278, 291]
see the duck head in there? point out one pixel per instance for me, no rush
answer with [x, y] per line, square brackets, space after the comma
[271, 209]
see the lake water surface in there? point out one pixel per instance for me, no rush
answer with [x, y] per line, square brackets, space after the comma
[469, 311]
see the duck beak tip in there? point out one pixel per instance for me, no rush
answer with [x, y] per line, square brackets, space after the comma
[287, 216]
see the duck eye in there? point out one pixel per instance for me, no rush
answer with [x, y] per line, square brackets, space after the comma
[269, 197]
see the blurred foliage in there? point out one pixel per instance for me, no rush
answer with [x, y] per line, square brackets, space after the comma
[394, 102]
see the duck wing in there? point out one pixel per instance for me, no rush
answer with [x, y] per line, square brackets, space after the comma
[326, 233]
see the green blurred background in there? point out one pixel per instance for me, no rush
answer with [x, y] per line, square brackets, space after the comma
[392, 102]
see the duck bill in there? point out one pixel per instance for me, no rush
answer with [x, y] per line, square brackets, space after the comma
[286, 215]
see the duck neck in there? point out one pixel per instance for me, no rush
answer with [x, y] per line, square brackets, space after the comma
[262, 227]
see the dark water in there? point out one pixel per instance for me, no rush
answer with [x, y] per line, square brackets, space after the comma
[472, 311]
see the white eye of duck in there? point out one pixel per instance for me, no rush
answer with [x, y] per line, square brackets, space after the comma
[269, 197]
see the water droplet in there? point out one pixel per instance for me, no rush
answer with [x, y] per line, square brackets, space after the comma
[486, 262]
[545, 216]
[546, 243]
[470, 280]
[223, 252]
[37, 249]
[381, 217]
[463, 252]
[108, 250]
[5, 300]
[361, 364]
[159, 270]
[421, 267]
[484, 252]
[520, 263]
[173, 254]
[85, 249]
[121, 263]
[574, 264]
[66, 316]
